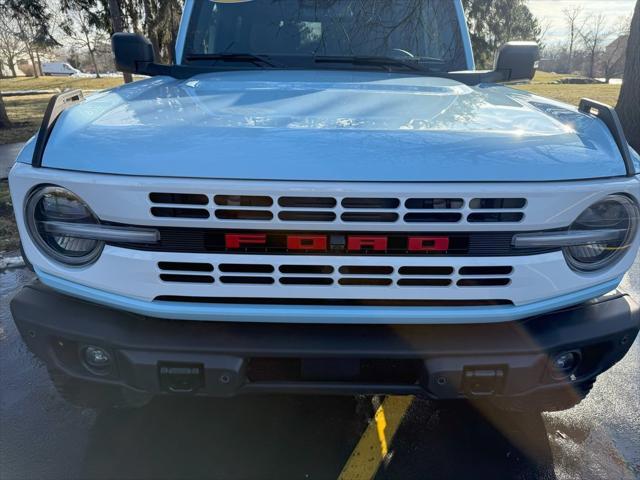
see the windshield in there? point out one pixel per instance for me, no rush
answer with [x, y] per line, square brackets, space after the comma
[420, 31]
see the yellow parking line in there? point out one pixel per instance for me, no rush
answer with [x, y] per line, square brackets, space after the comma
[374, 444]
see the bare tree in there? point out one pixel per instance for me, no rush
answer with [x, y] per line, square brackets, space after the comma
[630, 95]
[593, 37]
[78, 28]
[27, 35]
[10, 44]
[613, 56]
[574, 22]
[545, 25]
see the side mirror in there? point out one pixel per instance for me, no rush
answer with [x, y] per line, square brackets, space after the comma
[517, 60]
[133, 53]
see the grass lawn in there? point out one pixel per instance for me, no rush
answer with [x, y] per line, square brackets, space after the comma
[51, 83]
[572, 94]
[26, 112]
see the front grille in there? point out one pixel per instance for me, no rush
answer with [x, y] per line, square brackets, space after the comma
[205, 240]
[327, 275]
[329, 209]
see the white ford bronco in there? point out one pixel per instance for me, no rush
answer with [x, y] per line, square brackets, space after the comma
[326, 197]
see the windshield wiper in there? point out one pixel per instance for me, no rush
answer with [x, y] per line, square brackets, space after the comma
[383, 62]
[234, 57]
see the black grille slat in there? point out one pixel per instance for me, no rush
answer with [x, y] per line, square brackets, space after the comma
[483, 282]
[332, 301]
[315, 281]
[497, 203]
[306, 269]
[426, 271]
[495, 217]
[243, 201]
[434, 203]
[373, 203]
[179, 198]
[301, 216]
[245, 268]
[365, 282]
[470, 271]
[307, 202]
[185, 267]
[174, 278]
[365, 270]
[247, 280]
[370, 217]
[244, 214]
[176, 212]
[433, 217]
[424, 282]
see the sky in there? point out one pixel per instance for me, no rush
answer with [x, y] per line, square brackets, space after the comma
[551, 11]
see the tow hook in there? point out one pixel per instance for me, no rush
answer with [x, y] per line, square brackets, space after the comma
[483, 381]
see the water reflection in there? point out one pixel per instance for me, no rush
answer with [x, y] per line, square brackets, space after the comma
[310, 437]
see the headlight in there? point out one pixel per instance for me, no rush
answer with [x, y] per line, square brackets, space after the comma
[613, 213]
[45, 208]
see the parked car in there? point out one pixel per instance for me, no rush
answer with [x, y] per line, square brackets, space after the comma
[58, 69]
[315, 200]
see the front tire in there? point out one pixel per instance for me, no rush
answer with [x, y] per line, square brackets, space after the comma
[85, 394]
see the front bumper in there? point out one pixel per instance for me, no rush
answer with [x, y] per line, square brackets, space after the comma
[509, 359]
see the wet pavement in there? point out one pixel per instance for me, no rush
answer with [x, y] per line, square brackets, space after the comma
[280, 437]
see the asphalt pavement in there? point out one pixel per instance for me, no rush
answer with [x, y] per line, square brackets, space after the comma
[281, 437]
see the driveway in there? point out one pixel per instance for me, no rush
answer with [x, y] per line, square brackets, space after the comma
[8, 154]
[281, 437]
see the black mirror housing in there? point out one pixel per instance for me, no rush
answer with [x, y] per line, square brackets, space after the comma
[517, 60]
[133, 53]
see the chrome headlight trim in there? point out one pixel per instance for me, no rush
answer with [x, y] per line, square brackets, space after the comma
[611, 251]
[32, 203]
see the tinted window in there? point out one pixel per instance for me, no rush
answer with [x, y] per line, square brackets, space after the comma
[401, 29]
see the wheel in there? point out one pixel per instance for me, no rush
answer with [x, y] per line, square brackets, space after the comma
[84, 394]
[562, 399]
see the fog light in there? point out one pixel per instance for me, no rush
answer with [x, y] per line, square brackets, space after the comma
[565, 363]
[97, 357]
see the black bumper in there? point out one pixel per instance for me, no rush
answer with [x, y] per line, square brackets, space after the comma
[440, 361]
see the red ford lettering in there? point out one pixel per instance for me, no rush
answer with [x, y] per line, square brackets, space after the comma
[428, 244]
[232, 240]
[316, 243]
[373, 244]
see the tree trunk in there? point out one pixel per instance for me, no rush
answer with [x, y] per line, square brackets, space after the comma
[592, 63]
[118, 26]
[91, 54]
[93, 60]
[4, 118]
[34, 65]
[39, 62]
[629, 102]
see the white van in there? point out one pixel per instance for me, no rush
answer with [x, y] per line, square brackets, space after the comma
[58, 69]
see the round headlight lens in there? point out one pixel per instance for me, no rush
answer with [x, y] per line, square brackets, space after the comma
[615, 212]
[57, 204]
